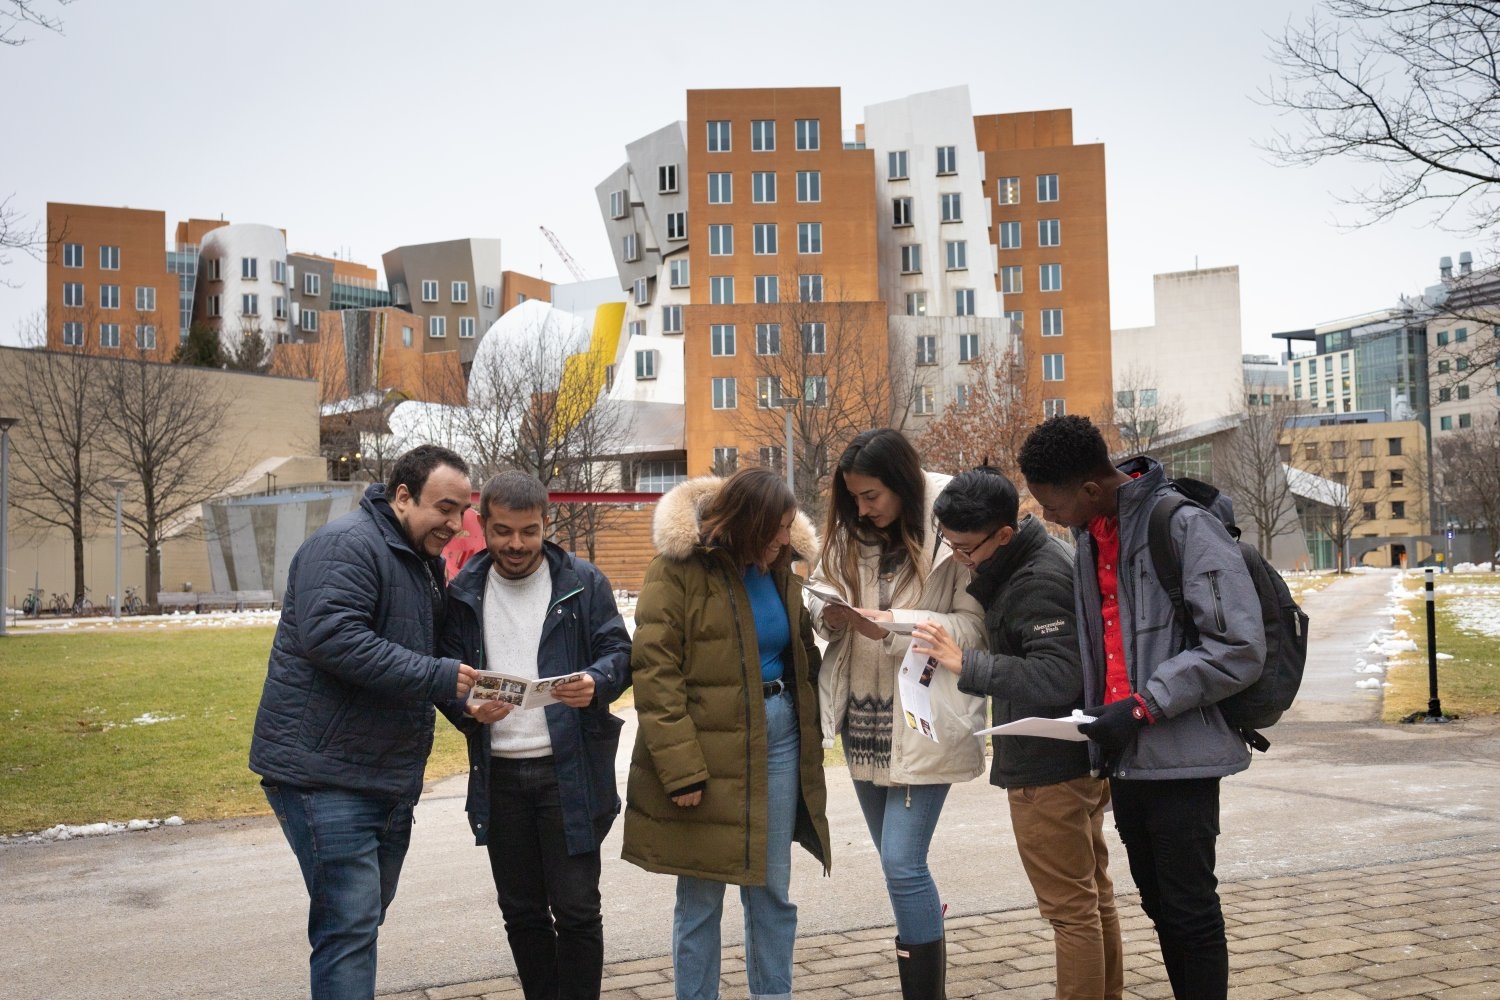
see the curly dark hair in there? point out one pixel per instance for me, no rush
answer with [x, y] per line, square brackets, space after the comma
[1064, 451]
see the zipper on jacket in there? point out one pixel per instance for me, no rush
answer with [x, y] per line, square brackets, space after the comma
[739, 638]
[1213, 583]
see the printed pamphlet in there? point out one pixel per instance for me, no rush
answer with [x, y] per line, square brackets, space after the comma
[523, 692]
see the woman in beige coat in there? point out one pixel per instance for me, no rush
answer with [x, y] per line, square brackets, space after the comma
[728, 766]
[884, 557]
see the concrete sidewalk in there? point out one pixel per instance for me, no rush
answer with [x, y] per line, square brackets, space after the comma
[1424, 929]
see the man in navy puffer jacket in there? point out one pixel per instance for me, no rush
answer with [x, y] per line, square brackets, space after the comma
[345, 720]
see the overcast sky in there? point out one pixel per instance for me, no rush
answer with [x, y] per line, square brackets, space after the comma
[362, 126]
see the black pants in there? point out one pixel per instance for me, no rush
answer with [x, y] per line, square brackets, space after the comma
[549, 898]
[1169, 829]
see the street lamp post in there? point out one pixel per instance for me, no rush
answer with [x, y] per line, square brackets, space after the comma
[6, 423]
[786, 403]
[119, 486]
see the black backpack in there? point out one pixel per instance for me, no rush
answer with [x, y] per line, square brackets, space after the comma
[1261, 704]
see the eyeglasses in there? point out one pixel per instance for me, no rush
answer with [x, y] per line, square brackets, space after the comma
[968, 553]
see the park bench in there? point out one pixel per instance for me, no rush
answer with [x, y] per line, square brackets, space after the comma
[222, 599]
[177, 600]
[255, 599]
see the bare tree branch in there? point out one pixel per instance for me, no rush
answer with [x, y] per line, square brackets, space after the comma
[15, 15]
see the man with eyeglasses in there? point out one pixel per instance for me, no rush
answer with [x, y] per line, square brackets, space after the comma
[1024, 579]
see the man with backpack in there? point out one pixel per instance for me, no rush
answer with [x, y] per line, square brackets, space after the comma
[1154, 681]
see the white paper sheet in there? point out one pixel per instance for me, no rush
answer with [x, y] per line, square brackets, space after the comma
[1065, 728]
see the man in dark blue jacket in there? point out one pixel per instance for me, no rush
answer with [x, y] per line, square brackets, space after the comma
[345, 720]
[541, 780]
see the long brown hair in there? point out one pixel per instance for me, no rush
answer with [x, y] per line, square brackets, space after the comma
[745, 515]
[886, 455]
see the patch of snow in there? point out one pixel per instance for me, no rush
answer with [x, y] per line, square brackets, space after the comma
[62, 831]
[1369, 683]
[149, 719]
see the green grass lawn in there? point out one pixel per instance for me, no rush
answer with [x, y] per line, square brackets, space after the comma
[1468, 684]
[77, 746]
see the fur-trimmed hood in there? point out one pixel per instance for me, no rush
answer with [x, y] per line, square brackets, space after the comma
[674, 529]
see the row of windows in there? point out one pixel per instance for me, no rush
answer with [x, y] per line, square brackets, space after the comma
[896, 163]
[763, 187]
[437, 326]
[963, 302]
[1049, 277]
[807, 135]
[927, 348]
[765, 239]
[721, 290]
[1465, 420]
[1048, 234]
[109, 336]
[458, 292]
[1340, 449]
[1008, 189]
[109, 256]
[724, 391]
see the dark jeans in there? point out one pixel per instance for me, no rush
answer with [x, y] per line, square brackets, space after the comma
[1169, 829]
[549, 898]
[350, 847]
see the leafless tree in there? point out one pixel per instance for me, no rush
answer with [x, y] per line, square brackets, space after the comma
[1139, 416]
[15, 232]
[1346, 484]
[1249, 467]
[60, 397]
[163, 426]
[1468, 477]
[1411, 87]
[16, 15]
[1002, 408]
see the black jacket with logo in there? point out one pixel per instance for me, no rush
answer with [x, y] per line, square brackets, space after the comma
[1032, 666]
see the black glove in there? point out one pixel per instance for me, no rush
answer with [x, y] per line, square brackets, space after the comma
[1115, 724]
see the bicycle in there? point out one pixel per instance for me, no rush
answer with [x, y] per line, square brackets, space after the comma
[131, 605]
[81, 604]
[32, 606]
[60, 605]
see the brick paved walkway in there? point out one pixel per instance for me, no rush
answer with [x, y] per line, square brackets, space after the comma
[1416, 929]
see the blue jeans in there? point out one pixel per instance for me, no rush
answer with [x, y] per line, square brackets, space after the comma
[770, 915]
[350, 848]
[902, 819]
[549, 898]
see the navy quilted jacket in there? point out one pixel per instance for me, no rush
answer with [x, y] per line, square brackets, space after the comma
[352, 679]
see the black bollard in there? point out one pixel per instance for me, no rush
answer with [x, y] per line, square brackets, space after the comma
[1434, 706]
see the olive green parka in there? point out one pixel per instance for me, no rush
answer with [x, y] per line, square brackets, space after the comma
[701, 710]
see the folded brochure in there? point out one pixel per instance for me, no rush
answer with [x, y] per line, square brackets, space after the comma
[832, 597]
[523, 692]
[1065, 728]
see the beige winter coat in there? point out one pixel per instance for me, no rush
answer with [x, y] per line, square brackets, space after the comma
[958, 755]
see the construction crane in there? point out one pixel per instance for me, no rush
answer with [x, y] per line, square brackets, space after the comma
[579, 274]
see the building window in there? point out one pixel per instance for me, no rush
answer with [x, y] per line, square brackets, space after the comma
[763, 135]
[724, 392]
[72, 334]
[635, 328]
[809, 185]
[720, 189]
[765, 241]
[810, 288]
[630, 247]
[459, 293]
[73, 293]
[814, 338]
[1046, 187]
[763, 187]
[676, 225]
[1398, 509]
[1445, 423]
[1010, 235]
[406, 336]
[1008, 190]
[677, 273]
[109, 334]
[437, 326]
[109, 296]
[466, 327]
[952, 206]
[720, 240]
[214, 270]
[916, 303]
[767, 288]
[1052, 367]
[809, 237]
[1053, 408]
[520, 297]
[963, 302]
[278, 271]
[1443, 367]
[1017, 317]
[767, 339]
[249, 268]
[1049, 232]
[926, 349]
[642, 291]
[911, 258]
[1369, 511]
[1010, 279]
[617, 204]
[250, 305]
[666, 178]
[1463, 392]
[726, 461]
[958, 254]
[718, 137]
[1051, 276]
[815, 390]
[767, 391]
[923, 400]
[312, 284]
[1052, 322]
[770, 458]
[1398, 478]
[1367, 479]
[896, 165]
[1465, 421]
[1393, 445]
[1445, 394]
[278, 306]
[489, 296]
[721, 291]
[1442, 338]
[947, 160]
[72, 255]
[109, 260]
[721, 340]
[961, 396]
[900, 211]
[808, 134]
[145, 337]
[645, 365]
[968, 347]
[671, 319]
[212, 307]
[1460, 335]
[1367, 448]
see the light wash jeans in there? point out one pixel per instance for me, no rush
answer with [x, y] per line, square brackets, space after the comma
[350, 847]
[770, 915]
[902, 819]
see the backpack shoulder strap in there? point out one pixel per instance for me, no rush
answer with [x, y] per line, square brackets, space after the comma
[1159, 539]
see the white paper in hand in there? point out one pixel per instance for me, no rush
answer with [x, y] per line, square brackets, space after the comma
[1065, 728]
